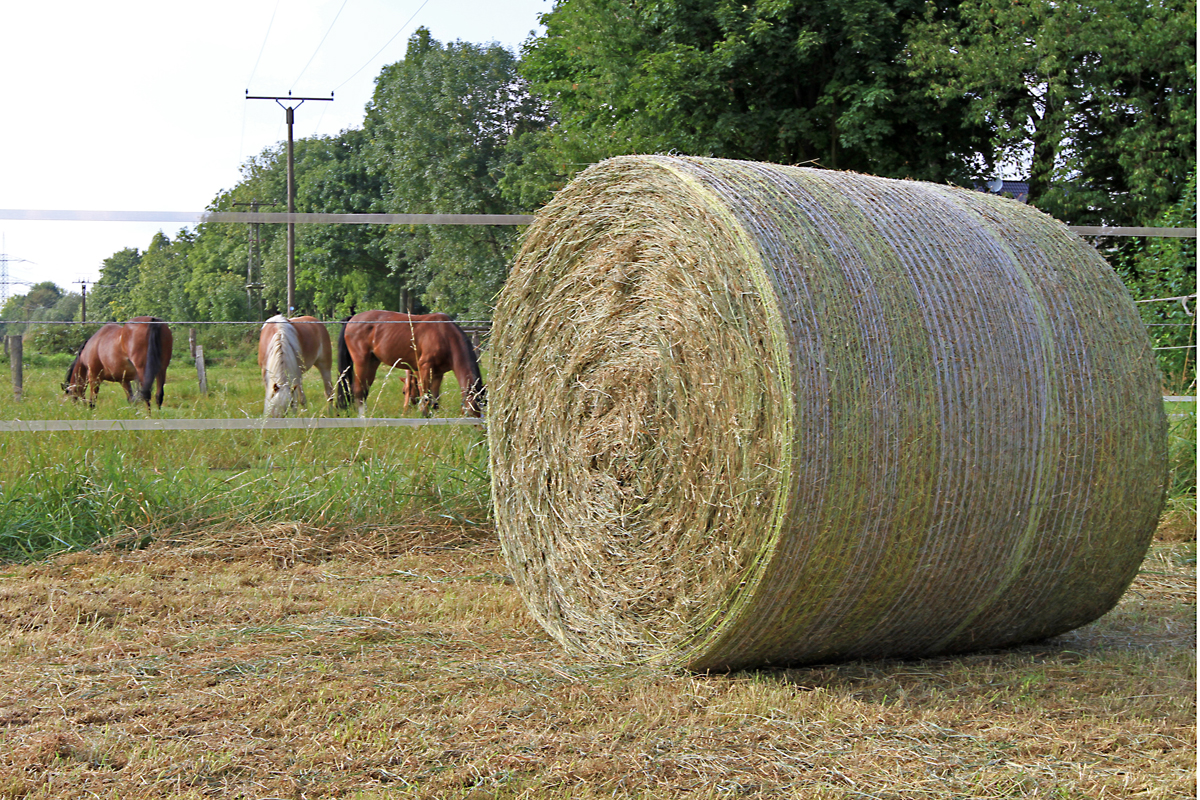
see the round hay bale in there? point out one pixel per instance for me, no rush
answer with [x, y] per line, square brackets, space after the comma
[745, 414]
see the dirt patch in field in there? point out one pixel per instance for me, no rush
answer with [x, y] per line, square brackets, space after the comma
[296, 662]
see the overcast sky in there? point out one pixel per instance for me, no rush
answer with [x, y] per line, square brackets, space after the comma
[140, 106]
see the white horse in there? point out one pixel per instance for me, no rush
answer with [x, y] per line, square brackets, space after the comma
[286, 349]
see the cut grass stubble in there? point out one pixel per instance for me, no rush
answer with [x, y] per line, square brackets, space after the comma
[289, 661]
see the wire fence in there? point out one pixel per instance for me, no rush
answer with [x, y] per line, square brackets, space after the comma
[263, 424]
[477, 329]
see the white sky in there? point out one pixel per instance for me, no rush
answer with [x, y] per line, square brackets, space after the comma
[135, 105]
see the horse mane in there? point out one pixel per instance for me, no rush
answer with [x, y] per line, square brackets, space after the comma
[469, 350]
[70, 379]
[476, 389]
[283, 365]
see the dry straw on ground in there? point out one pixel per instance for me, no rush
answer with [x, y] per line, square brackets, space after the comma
[296, 662]
[745, 414]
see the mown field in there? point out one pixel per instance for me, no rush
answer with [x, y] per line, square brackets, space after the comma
[288, 614]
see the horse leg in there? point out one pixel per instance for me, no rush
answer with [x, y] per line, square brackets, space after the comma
[162, 379]
[327, 379]
[364, 376]
[431, 383]
[412, 389]
[149, 387]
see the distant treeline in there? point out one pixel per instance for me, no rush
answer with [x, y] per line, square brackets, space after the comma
[1092, 103]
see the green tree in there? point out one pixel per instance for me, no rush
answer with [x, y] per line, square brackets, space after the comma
[44, 302]
[1093, 99]
[769, 80]
[440, 122]
[35, 304]
[225, 249]
[109, 299]
[338, 267]
[58, 338]
[1156, 268]
[344, 267]
[162, 275]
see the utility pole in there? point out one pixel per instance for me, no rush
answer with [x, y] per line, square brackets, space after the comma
[83, 305]
[255, 248]
[291, 188]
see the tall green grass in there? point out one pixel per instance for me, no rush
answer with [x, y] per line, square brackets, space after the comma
[65, 491]
[1181, 487]
[70, 490]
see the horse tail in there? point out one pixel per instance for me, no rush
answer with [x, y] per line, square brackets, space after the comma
[283, 367]
[154, 353]
[345, 384]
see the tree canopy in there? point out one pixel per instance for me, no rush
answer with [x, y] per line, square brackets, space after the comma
[780, 80]
[1093, 102]
[440, 123]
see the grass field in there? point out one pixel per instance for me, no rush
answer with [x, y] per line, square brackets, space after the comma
[290, 614]
[68, 490]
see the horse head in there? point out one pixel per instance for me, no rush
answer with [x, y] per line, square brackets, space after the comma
[71, 387]
[475, 399]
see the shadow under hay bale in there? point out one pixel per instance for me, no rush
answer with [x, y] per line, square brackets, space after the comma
[746, 414]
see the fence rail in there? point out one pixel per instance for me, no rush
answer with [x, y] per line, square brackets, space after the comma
[197, 217]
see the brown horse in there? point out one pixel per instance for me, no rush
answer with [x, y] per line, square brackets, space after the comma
[429, 344]
[139, 350]
[286, 349]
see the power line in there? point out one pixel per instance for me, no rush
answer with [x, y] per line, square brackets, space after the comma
[253, 72]
[264, 44]
[385, 46]
[323, 38]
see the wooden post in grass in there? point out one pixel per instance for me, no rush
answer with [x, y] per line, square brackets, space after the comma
[200, 374]
[18, 372]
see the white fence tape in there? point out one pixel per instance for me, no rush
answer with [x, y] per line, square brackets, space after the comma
[196, 217]
[312, 423]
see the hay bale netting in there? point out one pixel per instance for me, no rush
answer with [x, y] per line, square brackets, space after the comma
[745, 414]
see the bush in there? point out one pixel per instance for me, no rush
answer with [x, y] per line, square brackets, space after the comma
[49, 339]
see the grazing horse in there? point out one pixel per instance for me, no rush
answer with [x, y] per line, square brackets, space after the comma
[428, 344]
[287, 348]
[139, 350]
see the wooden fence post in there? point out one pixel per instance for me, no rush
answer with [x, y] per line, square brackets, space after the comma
[192, 343]
[15, 351]
[200, 373]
